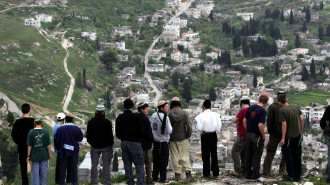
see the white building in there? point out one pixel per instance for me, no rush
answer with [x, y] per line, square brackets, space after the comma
[177, 42]
[182, 23]
[315, 113]
[246, 16]
[156, 68]
[44, 18]
[90, 35]
[228, 93]
[123, 30]
[180, 57]
[233, 74]
[172, 30]
[173, 3]
[213, 55]
[157, 54]
[281, 43]
[190, 35]
[142, 98]
[120, 45]
[193, 12]
[205, 7]
[299, 51]
[325, 53]
[32, 22]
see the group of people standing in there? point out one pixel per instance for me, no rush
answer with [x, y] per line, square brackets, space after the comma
[34, 147]
[285, 125]
[165, 134]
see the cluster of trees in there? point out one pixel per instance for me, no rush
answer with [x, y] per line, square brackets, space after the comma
[321, 32]
[82, 82]
[8, 157]
[224, 58]
[259, 48]
[306, 76]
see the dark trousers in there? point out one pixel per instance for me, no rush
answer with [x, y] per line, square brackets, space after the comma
[133, 153]
[57, 172]
[22, 155]
[69, 164]
[271, 150]
[238, 154]
[209, 149]
[147, 163]
[253, 151]
[160, 155]
[292, 155]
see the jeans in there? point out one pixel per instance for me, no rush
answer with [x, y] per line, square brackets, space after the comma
[69, 165]
[148, 167]
[39, 173]
[133, 152]
[180, 150]
[107, 155]
[292, 155]
[328, 165]
[238, 154]
[160, 154]
[22, 153]
[254, 147]
[271, 150]
[209, 149]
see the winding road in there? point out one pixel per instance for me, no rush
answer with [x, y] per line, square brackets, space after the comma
[182, 8]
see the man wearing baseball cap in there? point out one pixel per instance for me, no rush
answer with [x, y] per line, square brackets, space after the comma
[100, 137]
[59, 122]
[67, 140]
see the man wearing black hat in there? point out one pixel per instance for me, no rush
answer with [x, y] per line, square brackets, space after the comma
[100, 137]
[274, 127]
[131, 131]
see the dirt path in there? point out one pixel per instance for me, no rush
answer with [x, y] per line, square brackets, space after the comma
[12, 107]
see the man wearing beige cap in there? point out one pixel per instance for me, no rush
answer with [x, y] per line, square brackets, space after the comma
[179, 144]
[100, 137]
[161, 129]
[67, 140]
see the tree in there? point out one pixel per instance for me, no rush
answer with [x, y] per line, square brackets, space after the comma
[245, 48]
[255, 80]
[109, 57]
[212, 94]
[211, 16]
[277, 68]
[78, 80]
[236, 41]
[312, 68]
[115, 162]
[10, 119]
[328, 30]
[291, 17]
[226, 28]
[84, 78]
[282, 16]
[304, 74]
[201, 67]
[175, 79]
[186, 94]
[304, 27]
[308, 14]
[180, 47]
[297, 41]
[321, 5]
[107, 100]
[8, 157]
[321, 33]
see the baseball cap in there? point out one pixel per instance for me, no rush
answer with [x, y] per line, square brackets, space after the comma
[38, 118]
[60, 116]
[100, 107]
[175, 99]
[245, 98]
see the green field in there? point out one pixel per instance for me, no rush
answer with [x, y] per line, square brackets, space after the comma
[309, 96]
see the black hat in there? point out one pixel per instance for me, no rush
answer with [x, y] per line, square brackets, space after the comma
[128, 104]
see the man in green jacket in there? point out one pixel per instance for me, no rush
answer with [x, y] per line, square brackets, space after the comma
[179, 144]
[274, 127]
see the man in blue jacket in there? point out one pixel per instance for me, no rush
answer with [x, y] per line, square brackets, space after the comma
[67, 140]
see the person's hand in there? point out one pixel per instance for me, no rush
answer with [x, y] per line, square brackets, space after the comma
[27, 159]
[50, 157]
[282, 142]
[263, 137]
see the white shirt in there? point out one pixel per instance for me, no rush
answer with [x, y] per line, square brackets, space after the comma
[208, 121]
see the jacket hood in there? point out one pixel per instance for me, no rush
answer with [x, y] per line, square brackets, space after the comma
[177, 114]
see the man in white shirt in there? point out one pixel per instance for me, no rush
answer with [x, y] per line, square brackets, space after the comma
[209, 123]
